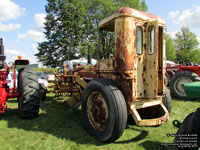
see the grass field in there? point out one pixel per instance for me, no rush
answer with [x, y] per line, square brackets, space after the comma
[44, 69]
[59, 128]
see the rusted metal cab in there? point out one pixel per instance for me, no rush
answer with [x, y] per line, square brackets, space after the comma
[138, 67]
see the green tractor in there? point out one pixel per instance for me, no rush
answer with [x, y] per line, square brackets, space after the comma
[192, 90]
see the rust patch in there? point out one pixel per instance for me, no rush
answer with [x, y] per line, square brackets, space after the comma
[125, 10]
[83, 73]
[144, 68]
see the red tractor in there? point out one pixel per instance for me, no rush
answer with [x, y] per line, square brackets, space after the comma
[180, 75]
[26, 90]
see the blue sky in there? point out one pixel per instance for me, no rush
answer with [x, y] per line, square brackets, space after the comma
[177, 13]
[21, 27]
[21, 22]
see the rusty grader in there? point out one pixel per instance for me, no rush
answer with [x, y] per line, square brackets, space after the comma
[129, 83]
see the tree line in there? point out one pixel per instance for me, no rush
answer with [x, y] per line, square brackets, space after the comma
[71, 26]
[184, 48]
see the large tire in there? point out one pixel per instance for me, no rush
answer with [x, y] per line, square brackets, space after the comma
[189, 126]
[29, 100]
[167, 101]
[177, 83]
[166, 81]
[104, 110]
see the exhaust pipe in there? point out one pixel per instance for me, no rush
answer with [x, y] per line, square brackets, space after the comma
[89, 61]
[2, 47]
[2, 57]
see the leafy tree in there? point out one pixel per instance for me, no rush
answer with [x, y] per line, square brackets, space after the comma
[71, 26]
[187, 46]
[170, 48]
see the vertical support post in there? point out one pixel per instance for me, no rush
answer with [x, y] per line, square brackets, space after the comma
[64, 70]
[15, 87]
[98, 44]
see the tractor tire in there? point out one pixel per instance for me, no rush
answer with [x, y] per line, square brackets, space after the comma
[104, 110]
[43, 91]
[29, 100]
[177, 83]
[166, 81]
[189, 126]
[167, 101]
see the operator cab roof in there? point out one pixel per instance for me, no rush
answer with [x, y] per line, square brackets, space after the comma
[108, 22]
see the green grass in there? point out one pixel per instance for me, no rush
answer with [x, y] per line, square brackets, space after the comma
[59, 128]
[44, 69]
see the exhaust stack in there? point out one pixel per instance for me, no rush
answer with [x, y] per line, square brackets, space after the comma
[2, 47]
[2, 57]
[89, 56]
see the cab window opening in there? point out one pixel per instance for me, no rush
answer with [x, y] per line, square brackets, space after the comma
[139, 40]
[151, 39]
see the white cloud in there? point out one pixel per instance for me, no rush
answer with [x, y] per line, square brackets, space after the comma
[34, 47]
[9, 10]
[40, 19]
[173, 34]
[174, 14]
[11, 55]
[34, 35]
[190, 18]
[14, 52]
[33, 60]
[9, 27]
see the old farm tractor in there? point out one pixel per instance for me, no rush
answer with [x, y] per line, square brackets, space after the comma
[180, 75]
[26, 90]
[129, 83]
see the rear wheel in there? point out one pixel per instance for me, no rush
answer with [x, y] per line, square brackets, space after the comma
[104, 110]
[177, 83]
[29, 100]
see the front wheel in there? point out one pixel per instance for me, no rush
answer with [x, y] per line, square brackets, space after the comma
[29, 100]
[104, 110]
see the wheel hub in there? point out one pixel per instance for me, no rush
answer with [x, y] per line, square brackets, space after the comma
[97, 111]
[179, 85]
